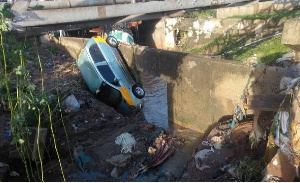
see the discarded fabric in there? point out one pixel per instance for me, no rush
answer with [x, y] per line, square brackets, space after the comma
[82, 159]
[71, 104]
[126, 141]
[200, 157]
[14, 174]
[217, 142]
[7, 134]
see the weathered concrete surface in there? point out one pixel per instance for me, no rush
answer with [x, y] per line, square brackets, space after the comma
[200, 90]
[291, 35]
[92, 13]
[201, 31]
[71, 44]
[254, 8]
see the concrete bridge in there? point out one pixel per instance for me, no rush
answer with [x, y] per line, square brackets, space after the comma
[74, 14]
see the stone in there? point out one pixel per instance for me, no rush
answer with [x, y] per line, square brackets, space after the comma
[115, 173]
[280, 167]
[120, 160]
[4, 170]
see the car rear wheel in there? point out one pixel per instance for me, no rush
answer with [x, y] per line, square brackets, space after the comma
[138, 91]
[112, 41]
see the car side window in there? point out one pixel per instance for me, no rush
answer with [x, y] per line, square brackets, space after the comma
[96, 54]
[107, 74]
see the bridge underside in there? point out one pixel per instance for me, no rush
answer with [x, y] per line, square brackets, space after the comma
[91, 14]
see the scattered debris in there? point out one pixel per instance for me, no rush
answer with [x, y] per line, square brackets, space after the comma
[161, 149]
[49, 64]
[287, 57]
[82, 159]
[200, 157]
[126, 141]
[220, 171]
[114, 173]
[71, 104]
[4, 169]
[120, 160]
[217, 142]
[8, 134]
[14, 174]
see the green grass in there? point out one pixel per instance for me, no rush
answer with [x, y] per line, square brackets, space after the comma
[275, 16]
[267, 50]
[201, 14]
[249, 170]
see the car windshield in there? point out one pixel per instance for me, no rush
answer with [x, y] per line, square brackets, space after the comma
[96, 54]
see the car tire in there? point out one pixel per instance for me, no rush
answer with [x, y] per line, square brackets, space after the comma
[138, 91]
[112, 41]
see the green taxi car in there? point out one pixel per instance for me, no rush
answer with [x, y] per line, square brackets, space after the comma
[108, 77]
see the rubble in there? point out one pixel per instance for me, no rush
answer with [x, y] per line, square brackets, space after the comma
[120, 160]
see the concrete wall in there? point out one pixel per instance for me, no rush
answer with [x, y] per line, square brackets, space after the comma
[200, 90]
[254, 8]
[71, 44]
[291, 36]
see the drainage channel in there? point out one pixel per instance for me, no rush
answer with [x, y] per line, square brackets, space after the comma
[156, 112]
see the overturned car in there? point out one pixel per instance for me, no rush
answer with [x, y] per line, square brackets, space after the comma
[108, 77]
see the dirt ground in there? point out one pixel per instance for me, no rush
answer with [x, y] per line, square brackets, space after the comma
[222, 164]
[95, 126]
[93, 129]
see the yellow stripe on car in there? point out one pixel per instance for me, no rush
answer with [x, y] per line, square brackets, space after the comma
[99, 39]
[126, 95]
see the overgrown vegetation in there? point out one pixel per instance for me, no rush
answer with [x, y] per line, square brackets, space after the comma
[28, 107]
[249, 170]
[241, 47]
[233, 47]
[275, 17]
[201, 14]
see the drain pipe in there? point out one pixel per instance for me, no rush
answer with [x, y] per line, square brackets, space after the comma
[78, 3]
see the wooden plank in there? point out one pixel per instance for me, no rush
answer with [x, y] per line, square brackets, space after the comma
[267, 102]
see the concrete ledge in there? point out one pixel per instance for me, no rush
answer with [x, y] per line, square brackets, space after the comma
[71, 44]
[252, 9]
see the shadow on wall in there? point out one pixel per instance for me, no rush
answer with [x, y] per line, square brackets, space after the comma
[147, 28]
[203, 90]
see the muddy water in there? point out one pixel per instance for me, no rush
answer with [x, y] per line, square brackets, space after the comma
[156, 105]
[156, 112]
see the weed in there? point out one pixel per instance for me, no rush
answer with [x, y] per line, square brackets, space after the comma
[274, 17]
[201, 14]
[249, 170]
[28, 107]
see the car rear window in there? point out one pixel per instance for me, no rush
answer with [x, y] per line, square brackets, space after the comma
[96, 53]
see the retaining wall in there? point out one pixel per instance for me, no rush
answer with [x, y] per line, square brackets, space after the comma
[201, 90]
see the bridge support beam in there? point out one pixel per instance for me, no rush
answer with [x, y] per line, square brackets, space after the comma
[94, 13]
